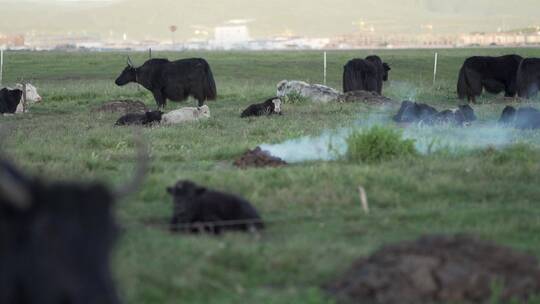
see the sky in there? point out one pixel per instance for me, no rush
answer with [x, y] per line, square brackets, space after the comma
[150, 19]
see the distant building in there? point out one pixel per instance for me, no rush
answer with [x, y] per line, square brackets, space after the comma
[12, 40]
[231, 36]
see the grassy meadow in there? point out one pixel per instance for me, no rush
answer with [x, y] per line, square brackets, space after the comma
[316, 226]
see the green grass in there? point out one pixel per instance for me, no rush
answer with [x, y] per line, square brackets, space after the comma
[316, 224]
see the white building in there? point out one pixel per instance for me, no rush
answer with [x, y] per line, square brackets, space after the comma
[231, 36]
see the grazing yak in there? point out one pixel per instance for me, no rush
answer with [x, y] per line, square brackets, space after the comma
[528, 78]
[269, 107]
[56, 239]
[522, 118]
[494, 74]
[148, 118]
[365, 74]
[197, 208]
[314, 92]
[185, 115]
[174, 80]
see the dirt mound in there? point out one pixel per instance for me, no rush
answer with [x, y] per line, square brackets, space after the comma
[365, 97]
[258, 158]
[122, 106]
[440, 269]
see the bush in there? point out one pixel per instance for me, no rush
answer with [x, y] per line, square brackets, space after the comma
[378, 144]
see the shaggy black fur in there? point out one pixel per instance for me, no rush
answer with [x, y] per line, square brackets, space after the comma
[494, 74]
[9, 100]
[265, 108]
[147, 118]
[57, 248]
[528, 78]
[365, 74]
[194, 204]
[174, 80]
[522, 118]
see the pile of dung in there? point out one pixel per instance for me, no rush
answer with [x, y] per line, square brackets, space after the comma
[122, 106]
[258, 158]
[440, 269]
[366, 97]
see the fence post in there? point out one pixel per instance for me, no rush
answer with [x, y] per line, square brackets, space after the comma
[150, 53]
[324, 72]
[435, 68]
[1, 65]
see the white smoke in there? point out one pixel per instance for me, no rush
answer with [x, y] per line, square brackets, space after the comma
[331, 145]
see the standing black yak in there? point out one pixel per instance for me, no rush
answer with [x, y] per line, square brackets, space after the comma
[528, 77]
[174, 80]
[494, 74]
[365, 74]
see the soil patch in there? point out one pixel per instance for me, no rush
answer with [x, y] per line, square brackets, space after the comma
[440, 269]
[258, 158]
[122, 106]
[366, 97]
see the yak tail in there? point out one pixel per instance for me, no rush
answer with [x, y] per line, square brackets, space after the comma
[209, 85]
[351, 78]
[462, 85]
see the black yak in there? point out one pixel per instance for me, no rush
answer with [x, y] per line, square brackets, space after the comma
[528, 77]
[212, 211]
[522, 118]
[269, 107]
[56, 239]
[413, 112]
[365, 74]
[9, 100]
[494, 74]
[461, 116]
[174, 80]
[148, 118]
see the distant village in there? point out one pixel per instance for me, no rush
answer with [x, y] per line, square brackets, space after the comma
[237, 37]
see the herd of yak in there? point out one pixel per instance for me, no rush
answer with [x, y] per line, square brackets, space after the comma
[56, 238]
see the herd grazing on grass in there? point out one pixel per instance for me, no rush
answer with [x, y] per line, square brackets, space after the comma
[62, 233]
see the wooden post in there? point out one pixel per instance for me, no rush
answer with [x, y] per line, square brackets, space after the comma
[150, 53]
[435, 68]
[363, 199]
[324, 72]
[1, 65]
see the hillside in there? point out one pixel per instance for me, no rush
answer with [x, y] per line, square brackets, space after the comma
[144, 19]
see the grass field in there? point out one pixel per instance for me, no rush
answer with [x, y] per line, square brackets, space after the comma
[316, 225]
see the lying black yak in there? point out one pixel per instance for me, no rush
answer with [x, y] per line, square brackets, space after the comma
[460, 116]
[56, 239]
[269, 107]
[413, 112]
[174, 80]
[9, 100]
[494, 74]
[522, 118]
[147, 118]
[528, 78]
[365, 75]
[213, 211]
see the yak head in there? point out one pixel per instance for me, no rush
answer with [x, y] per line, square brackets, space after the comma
[129, 74]
[386, 69]
[184, 192]
[277, 105]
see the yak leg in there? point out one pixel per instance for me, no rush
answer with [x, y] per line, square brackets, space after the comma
[161, 101]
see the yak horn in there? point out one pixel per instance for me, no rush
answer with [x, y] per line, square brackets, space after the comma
[129, 62]
[140, 170]
[12, 191]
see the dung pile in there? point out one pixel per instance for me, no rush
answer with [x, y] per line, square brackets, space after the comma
[258, 158]
[122, 106]
[365, 97]
[440, 269]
